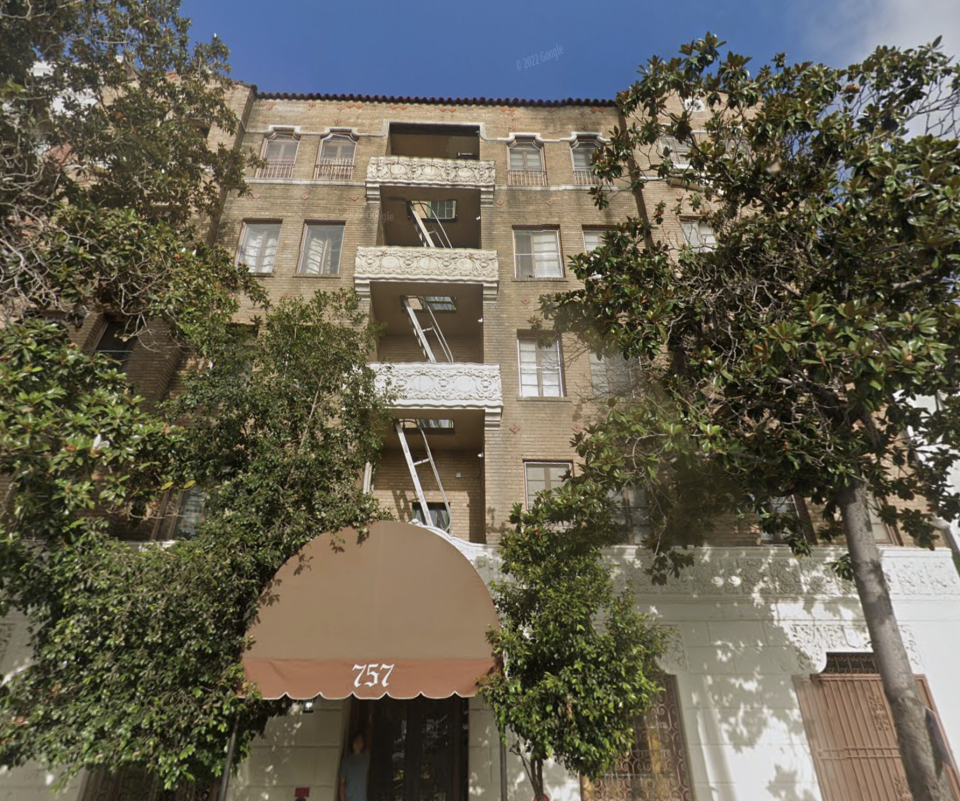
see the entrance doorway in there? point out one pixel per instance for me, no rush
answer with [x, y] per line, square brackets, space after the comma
[418, 748]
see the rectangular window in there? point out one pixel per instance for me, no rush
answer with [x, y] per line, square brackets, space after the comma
[114, 344]
[678, 152]
[280, 153]
[540, 368]
[593, 238]
[442, 210]
[440, 303]
[320, 254]
[538, 254]
[191, 513]
[258, 246]
[698, 235]
[632, 512]
[544, 477]
[655, 768]
[437, 425]
[583, 152]
[439, 517]
[614, 375]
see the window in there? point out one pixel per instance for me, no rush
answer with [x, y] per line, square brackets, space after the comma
[538, 254]
[191, 512]
[442, 210]
[583, 152]
[114, 344]
[694, 105]
[526, 164]
[593, 238]
[258, 246]
[320, 254]
[678, 152]
[437, 425]
[851, 733]
[632, 513]
[655, 768]
[698, 235]
[440, 303]
[280, 153]
[614, 375]
[543, 477]
[439, 516]
[335, 160]
[540, 372]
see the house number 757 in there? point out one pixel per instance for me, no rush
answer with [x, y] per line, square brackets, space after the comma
[371, 675]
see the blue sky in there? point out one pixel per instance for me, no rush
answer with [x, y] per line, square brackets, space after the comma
[491, 48]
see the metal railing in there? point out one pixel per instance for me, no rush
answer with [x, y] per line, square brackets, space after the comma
[526, 178]
[588, 178]
[334, 169]
[276, 169]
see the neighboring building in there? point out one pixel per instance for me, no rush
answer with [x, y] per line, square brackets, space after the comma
[451, 218]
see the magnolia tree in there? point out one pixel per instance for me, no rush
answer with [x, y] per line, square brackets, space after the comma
[576, 663]
[789, 355]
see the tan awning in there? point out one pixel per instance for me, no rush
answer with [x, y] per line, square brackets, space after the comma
[402, 613]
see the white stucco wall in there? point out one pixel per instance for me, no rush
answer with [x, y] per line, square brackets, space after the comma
[744, 622]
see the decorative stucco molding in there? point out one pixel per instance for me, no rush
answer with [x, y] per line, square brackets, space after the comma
[444, 173]
[764, 573]
[443, 386]
[814, 640]
[433, 265]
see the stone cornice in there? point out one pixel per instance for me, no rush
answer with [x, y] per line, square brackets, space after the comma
[443, 386]
[410, 171]
[434, 265]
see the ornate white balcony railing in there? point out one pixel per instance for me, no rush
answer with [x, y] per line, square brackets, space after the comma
[427, 265]
[444, 387]
[444, 173]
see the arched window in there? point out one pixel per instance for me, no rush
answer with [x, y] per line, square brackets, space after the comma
[280, 154]
[526, 164]
[583, 151]
[336, 157]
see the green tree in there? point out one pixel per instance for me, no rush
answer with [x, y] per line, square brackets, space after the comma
[576, 663]
[793, 352]
[137, 647]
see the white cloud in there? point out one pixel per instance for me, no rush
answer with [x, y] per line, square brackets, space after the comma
[847, 30]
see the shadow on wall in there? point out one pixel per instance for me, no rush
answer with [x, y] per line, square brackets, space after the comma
[745, 622]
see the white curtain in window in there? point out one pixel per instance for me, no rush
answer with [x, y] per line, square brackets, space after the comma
[321, 250]
[526, 157]
[259, 247]
[538, 254]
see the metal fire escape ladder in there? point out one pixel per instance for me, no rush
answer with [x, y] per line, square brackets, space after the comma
[420, 333]
[413, 464]
[421, 214]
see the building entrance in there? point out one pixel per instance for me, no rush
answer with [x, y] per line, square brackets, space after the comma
[418, 748]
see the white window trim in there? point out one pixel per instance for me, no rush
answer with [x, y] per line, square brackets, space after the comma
[335, 134]
[560, 371]
[243, 235]
[528, 462]
[303, 244]
[516, 262]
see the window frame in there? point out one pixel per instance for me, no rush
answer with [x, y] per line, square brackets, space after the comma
[280, 169]
[528, 463]
[600, 230]
[703, 241]
[532, 254]
[585, 176]
[611, 378]
[245, 228]
[525, 176]
[307, 226]
[675, 146]
[121, 355]
[539, 365]
[337, 169]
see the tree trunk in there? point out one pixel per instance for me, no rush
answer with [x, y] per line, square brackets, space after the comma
[925, 775]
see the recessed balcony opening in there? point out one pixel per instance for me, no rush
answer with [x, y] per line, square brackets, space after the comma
[429, 217]
[435, 141]
[457, 310]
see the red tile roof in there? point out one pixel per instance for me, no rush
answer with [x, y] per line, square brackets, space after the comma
[446, 101]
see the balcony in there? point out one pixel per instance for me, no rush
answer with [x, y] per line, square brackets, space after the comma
[427, 265]
[432, 386]
[431, 173]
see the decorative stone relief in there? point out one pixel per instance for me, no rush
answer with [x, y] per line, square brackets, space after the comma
[429, 385]
[410, 171]
[436, 265]
[674, 658]
[813, 641]
[922, 574]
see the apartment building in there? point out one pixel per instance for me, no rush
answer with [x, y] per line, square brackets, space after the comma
[450, 218]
